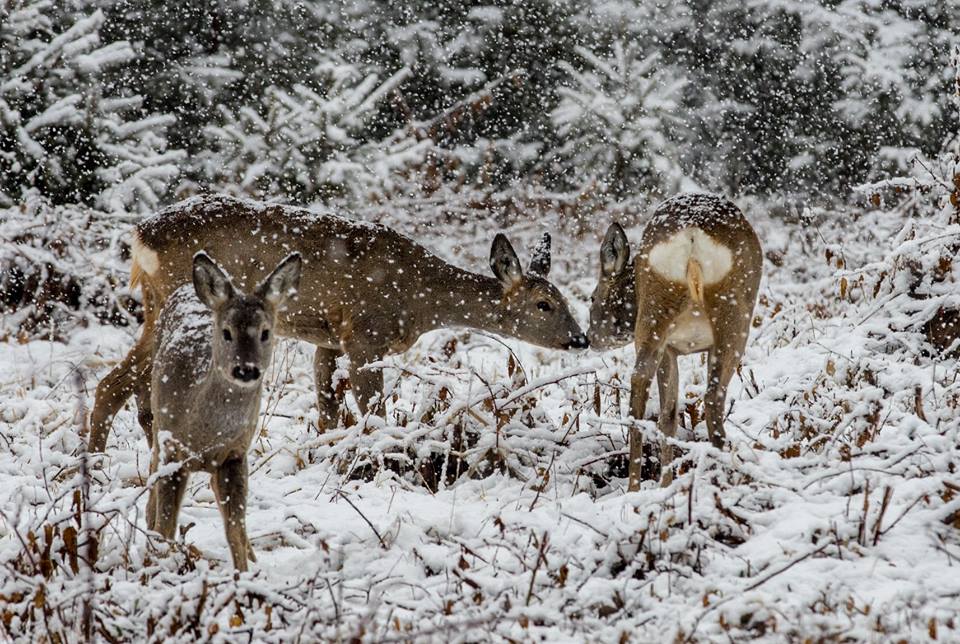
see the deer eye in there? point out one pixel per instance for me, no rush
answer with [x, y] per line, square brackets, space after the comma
[543, 305]
[264, 335]
[227, 335]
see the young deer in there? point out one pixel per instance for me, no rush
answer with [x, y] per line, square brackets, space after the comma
[692, 287]
[367, 291]
[213, 344]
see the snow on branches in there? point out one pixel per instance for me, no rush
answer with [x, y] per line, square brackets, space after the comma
[61, 130]
[615, 120]
[308, 142]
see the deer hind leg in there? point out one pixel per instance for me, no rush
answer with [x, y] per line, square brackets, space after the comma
[648, 356]
[230, 488]
[324, 365]
[141, 393]
[721, 365]
[667, 385]
[152, 496]
[652, 329]
[131, 376]
[116, 387]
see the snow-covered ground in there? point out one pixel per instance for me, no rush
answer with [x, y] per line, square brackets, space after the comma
[491, 502]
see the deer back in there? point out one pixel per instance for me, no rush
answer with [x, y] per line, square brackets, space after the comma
[355, 274]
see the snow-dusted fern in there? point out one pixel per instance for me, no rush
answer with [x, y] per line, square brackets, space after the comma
[61, 130]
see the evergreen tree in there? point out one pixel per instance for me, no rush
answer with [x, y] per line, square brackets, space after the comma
[307, 144]
[61, 131]
[615, 121]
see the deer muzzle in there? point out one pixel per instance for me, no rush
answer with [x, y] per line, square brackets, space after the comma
[246, 373]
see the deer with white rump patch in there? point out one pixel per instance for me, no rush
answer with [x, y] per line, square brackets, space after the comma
[367, 291]
[213, 345]
[691, 288]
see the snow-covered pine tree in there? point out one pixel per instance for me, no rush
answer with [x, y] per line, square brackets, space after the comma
[61, 131]
[309, 144]
[616, 120]
[811, 96]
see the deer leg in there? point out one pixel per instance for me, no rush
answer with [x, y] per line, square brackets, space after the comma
[731, 328]
[131, 376]
[648, 357]
[667, 385]
[324, 365]
[721, 366]
[230, 488]
[114, 390]
[141, 393]
[152, 496]
[169, 491]
[367, 384]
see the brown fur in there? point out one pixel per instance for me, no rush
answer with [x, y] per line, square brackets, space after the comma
[661, 309]
[366, 291]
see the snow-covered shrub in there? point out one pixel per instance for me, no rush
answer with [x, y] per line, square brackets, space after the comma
[615, 120]
[919, 272]
[62, 131]
[805, 96]
[61, 269]
[308, 143]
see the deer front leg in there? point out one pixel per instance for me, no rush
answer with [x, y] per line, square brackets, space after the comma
[367, 384]
[667, 385]
[230, 488]
[168, 495]
[324, 365]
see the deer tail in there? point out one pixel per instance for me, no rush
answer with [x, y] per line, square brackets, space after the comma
[695, 280]
[145, 261]
[136, 273]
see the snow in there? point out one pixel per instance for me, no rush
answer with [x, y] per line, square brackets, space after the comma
[489, 502]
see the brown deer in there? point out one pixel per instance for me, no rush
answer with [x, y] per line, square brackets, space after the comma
[691, 288]
[212, 346]
[367, 291]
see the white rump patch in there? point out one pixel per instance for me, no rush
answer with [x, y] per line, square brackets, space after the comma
[669, 258]
[145, 256]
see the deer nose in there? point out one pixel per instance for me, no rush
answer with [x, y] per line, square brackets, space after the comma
[578, 341]
[246, 373]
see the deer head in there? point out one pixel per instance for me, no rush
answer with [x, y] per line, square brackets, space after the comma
[613, 312]
[243, 324]
[531, 308]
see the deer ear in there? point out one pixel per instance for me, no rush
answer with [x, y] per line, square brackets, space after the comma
[212, 284]
[283, 282]
[540, 262]
[614, 251]
[504, 262]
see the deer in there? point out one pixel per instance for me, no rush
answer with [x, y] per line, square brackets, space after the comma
[212, 347]
[367, 291]
[692, 287]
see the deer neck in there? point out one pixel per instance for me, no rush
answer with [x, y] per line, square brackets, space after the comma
[458, 298]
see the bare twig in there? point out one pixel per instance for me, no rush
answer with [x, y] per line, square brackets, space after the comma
[340, 494]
